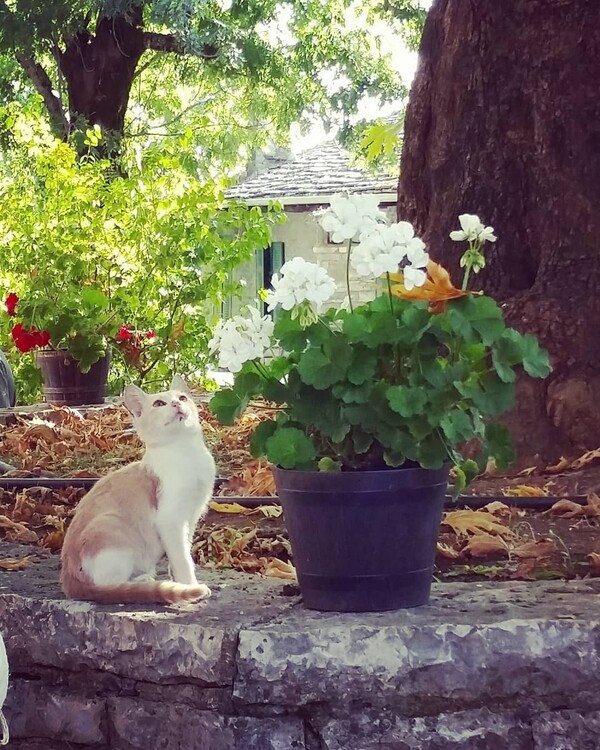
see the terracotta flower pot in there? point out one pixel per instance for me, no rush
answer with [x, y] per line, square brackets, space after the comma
[63, 382]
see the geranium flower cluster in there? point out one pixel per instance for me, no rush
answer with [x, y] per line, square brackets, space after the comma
[241, 339]
[375, 248]
[382, 247]
[131, 343]
[25, 339]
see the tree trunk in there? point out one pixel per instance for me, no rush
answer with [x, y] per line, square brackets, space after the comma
[99, 70]
[504, 122]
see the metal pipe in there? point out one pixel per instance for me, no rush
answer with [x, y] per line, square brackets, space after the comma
[541, 502]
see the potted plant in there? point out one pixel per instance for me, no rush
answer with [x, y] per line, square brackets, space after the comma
[69, 329]
[375, 404]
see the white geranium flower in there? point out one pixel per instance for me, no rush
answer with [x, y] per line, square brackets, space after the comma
[351, 215]
[385, 248]
[413, 277]
[414, 273]
[472, 229]
[300, 281]
[239, 340]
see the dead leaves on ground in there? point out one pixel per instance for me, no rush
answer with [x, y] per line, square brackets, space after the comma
[16, 563]
[482, 534]
[64, 442]
[249, 549]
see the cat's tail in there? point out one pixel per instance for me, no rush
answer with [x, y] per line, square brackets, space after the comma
[138, 592]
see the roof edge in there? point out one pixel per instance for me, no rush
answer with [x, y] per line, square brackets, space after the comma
[307, 200]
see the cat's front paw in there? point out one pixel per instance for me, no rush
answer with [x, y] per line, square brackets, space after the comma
[205, 592]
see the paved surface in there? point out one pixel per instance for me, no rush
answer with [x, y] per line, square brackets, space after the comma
[488, 665]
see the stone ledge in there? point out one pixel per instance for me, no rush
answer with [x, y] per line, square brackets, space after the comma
[483, 666]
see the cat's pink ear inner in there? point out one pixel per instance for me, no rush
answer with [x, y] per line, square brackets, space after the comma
[179, 384]
[133, 398]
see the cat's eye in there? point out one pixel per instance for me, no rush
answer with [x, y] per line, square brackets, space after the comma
[159, 402]
[183, 398]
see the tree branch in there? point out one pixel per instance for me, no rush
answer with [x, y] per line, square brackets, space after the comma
[169, 43]
[43, 85]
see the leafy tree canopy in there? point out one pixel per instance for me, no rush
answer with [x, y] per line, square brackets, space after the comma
[149, 68]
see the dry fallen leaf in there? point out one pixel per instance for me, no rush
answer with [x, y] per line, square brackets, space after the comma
[276, 568]
[524, 490]
[17, 532]
[569, 509]
[482, 545]
[437, 289]
[535, 549]
[269, 511]
[594, 558]
[586, 459]
[527, 472]
[497, 508]
[566, 509]
[445, 550]
[228, 508]
[16, 563]
[466, 522]
[561, 465]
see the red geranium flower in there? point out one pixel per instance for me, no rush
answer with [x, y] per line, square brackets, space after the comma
[10, 303]
[26, 340]
[150, 335]
[124, 334]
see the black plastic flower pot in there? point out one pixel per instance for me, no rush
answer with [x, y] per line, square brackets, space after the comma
[363, 541]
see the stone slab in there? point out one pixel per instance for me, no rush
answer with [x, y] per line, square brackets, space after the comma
[135, 724]
[34, 710]
[567, 730]
[148, 643]
[475, 644]
[480, 729]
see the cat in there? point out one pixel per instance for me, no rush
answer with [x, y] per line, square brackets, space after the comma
[138, 513]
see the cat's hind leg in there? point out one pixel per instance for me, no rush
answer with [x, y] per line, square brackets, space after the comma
[109, 567]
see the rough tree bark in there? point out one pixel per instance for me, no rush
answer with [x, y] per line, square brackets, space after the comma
[504, 121]
[99, 69]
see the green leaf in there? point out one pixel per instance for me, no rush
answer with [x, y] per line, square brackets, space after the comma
[290, 448]
[480, 314]
[406, 401]
[93, 297]
[489, 393]
[364, 364]
[499, 444]
[464, 474]
[535, 359]
[321, 369]
[432, 452]
[457, 426]
[261, 434]
[327, 464]
[227, 405]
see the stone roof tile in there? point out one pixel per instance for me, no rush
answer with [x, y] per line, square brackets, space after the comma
[321, 170]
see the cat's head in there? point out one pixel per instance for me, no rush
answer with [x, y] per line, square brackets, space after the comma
[161, 417]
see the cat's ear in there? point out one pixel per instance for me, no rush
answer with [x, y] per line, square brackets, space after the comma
[134, 399]
[179, 384]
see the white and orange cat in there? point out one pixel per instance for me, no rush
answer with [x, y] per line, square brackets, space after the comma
[137, 514]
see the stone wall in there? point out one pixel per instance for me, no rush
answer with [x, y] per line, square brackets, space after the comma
[483, 667]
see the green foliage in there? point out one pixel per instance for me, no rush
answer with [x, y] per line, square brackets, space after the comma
[88, 253]
[239, 74]
[389, 383]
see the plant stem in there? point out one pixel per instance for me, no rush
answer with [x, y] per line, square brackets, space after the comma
[389, 284]
[348, 276]
[261, 369]
[466, 278]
